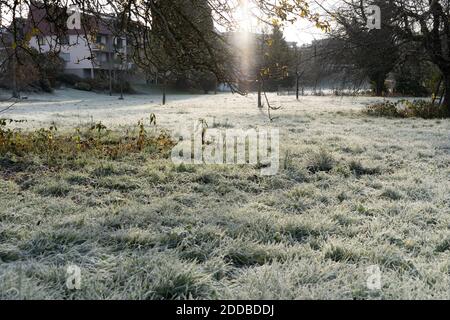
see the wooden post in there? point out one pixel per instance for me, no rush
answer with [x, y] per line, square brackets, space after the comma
[15, 92]
[259, 94]
[110, 74]
[164, 90]
[121, 86]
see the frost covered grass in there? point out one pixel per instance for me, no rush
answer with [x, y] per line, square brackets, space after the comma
[352, 191]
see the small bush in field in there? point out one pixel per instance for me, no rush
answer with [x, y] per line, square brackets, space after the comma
[420, 109]
[68, 79]
[83, 86]
[406, 109]
[383, 109]
[321, 161]
[45, 85]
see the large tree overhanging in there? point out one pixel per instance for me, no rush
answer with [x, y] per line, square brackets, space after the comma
[371, 54]
[137, 19]
[428, 22]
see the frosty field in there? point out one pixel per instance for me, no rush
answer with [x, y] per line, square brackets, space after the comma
[352, 192]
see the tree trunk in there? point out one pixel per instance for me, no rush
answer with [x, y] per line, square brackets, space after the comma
[379, 86]
[297, 87]
[15, 90]
[259, 94]
[164, 91]
[110, 75]
[436, 91]
[121, 86]
[446, 102]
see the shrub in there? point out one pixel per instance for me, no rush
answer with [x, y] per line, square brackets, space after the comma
[51, 146]
[320, 161]
[102, 84]
[45, 85]
[410, 84]
[98, 83]
[50, 65]
[84, 86]
[421, 109]
[27, 72]
[410, 87]
[406, 109]
[383, 109]
[34, 71]
[68, 79]
[126, 87]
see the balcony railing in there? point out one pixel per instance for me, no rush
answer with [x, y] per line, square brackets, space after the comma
[99, 47]
[115, 65]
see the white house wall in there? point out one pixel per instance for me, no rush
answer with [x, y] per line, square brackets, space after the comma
[78, 50]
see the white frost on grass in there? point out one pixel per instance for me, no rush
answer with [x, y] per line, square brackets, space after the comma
[69, 108]
[352, 191]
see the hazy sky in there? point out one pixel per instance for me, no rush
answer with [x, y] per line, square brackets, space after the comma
[302, 31]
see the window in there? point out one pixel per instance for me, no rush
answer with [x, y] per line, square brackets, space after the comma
[65, 56]
[119, 43]
[99, 39]
[40, 41]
